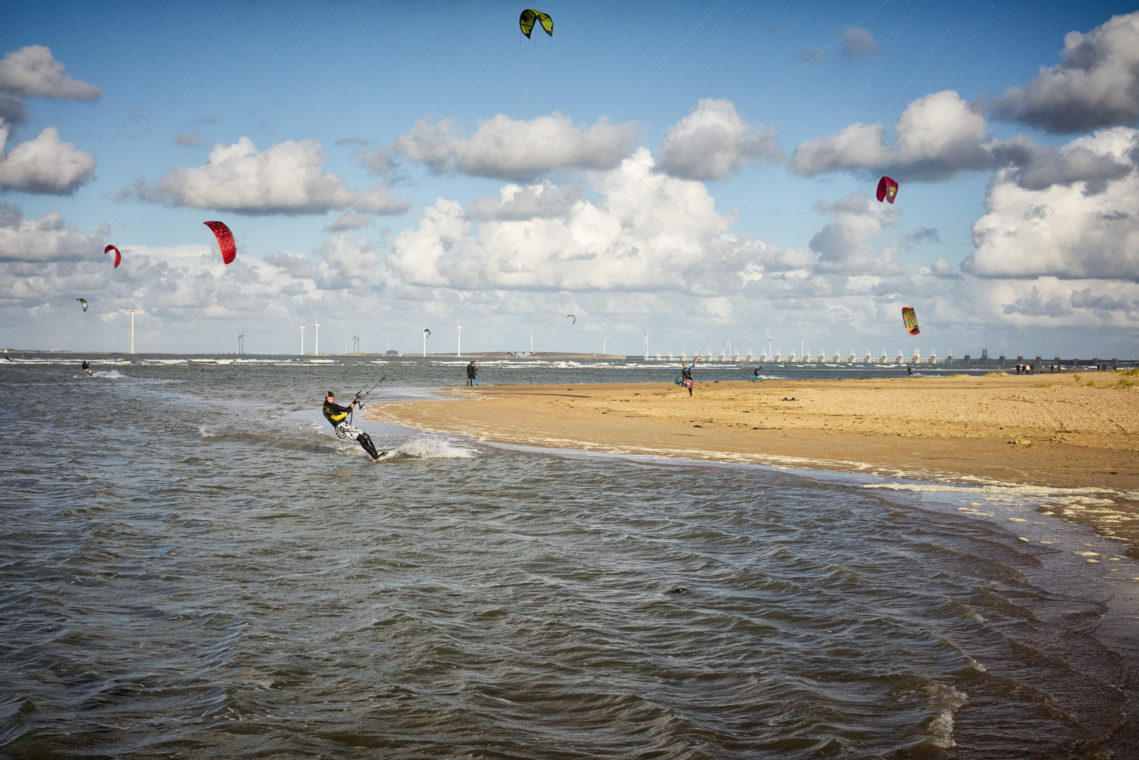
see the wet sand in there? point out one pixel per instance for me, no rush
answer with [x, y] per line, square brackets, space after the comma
[1072, 431]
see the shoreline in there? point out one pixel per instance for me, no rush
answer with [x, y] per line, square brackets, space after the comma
[1067, 431]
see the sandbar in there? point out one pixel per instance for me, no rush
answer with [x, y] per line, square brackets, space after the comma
[1068, 431]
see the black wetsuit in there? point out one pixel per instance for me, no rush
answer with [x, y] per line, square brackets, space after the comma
[338, 417]
[686, 374]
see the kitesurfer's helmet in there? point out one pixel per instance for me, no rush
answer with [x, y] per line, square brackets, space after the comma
[330, 393]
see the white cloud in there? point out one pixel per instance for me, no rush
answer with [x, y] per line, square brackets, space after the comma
[713, 142]
[1061, 230]
[349, 263]
[1037, 168]
[936, 137]
[32, 72]
[504, 148]
[853, 241]
[48, 239]
[644, 231]
[348, 221]
[287, 178]
[1096, 85]
[44, 165]
[544, 199]
[1050, 302]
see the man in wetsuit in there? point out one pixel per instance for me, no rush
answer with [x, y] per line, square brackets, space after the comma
[686, 377]
[87, 368]
[338, 417]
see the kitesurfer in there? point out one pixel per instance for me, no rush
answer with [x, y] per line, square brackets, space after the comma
[686, 377]
[338, 417]
[472, 372]
[87, 368]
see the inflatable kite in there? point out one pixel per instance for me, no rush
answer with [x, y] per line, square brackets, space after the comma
[571, 316]
[910, 319]
[82, 301]
[225, 240]
[529, 16]
[118, 256]
[887, 189]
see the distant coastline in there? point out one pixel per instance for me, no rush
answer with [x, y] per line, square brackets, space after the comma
[1039, 364]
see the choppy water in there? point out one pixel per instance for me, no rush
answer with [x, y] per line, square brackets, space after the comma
[192, 565]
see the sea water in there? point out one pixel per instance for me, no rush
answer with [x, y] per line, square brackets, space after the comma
[193, 565]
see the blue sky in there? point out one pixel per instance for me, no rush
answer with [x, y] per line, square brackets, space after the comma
[703, 172]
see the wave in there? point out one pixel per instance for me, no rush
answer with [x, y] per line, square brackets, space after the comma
[427, 447]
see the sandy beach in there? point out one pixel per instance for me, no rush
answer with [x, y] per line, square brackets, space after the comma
[1072, 431]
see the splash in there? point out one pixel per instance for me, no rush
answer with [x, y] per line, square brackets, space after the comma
[427, 448]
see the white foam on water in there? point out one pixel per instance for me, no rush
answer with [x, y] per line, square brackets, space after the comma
[946, 701]
[427, 447]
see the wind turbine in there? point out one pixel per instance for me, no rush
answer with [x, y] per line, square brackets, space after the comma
[302, 340]
[531, 342]
[316, 342]
[459, 339]
[769, 354]
[646, 345]
[603, 339]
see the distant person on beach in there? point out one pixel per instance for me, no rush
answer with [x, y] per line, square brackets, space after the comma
[909, 370]
[472, 372]
[87, 368]
[686, 377]
[755, 373]
[337, 416]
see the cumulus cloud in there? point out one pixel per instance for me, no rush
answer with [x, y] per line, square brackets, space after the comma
[287, 178]
[33, 72]
[853, 241]
[1096, 84]
[1062, 230]
[44, 165]
[349, 263]
[543, 199]
[644, 230]
[13, 111]
[936, 137]
[47, 239]
[1041, 167]
[713, 142]
[504, 148]
[348, 222]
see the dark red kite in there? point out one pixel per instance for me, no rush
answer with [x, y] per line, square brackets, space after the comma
[225, 240]
[887, 189]
[118, 256]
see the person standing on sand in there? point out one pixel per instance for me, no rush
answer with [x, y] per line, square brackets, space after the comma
[472, 372]
[686, 377]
